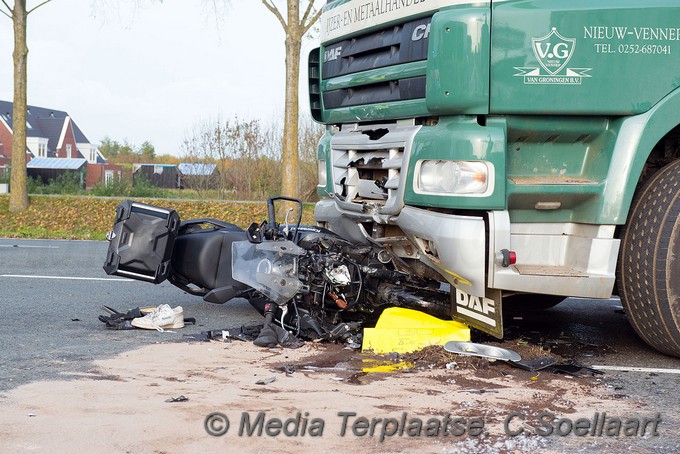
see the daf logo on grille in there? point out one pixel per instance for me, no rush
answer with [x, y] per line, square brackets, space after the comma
[332, 54]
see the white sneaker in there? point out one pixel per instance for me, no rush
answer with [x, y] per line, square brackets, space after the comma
[163, 317]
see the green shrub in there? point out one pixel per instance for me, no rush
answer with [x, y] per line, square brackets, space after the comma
[116, 188]
[142, 187]
[68, 183]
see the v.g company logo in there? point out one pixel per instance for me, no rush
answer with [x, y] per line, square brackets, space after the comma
[553, 53]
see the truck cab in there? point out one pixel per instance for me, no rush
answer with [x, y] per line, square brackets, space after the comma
[508, 149]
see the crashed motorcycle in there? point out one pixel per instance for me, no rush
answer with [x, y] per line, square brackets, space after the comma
[307, 281]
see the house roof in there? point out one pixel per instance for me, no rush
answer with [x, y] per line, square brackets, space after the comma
[44, 122]
[196, 168]
[56, 163]
[49, 128]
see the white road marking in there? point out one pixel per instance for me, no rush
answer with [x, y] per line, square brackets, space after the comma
[73, 278]
[25, 246]
[637, 369]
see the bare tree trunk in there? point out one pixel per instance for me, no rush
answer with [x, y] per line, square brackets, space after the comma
[290, 185]
[18, 198]
[295, 27]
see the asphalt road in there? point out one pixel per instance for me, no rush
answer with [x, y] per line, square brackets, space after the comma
[51, 293]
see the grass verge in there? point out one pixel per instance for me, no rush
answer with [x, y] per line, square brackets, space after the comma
[90, 218]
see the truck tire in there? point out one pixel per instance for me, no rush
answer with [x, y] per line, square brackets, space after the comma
[648, 271]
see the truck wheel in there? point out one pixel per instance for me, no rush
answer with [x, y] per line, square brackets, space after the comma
[648, 271]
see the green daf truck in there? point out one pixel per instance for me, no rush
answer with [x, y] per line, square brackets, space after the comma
[513, 150]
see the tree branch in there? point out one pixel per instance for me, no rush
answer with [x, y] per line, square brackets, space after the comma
[37, 6]
[8, 9]
[306, 27]
[275, 11]
[308, 11]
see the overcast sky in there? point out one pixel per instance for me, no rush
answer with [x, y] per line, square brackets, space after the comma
[151, 72]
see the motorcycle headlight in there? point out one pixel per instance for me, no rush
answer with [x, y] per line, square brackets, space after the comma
[453, 177]
[322, 173]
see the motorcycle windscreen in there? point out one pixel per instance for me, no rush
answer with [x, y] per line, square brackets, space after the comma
[269, 267]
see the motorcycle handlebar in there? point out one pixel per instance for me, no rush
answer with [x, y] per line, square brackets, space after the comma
[271, 211]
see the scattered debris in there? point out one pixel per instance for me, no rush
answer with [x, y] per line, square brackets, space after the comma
[242, 333]
[574, 370]
[272, 335]
[177, 399]
[161, 318]
[124, 320]
[514, 359]
[372, 366]
[266, 381]
[535, 364]
[119, 320]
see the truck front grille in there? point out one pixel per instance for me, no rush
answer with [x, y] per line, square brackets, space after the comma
[360, 175]
[366, 163]
[393, 90]
[402, 43]
[383, 66]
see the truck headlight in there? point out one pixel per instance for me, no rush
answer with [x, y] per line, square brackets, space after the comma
[322, 173]
[453, 177]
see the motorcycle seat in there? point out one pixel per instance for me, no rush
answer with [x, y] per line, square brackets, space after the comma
[203, 257]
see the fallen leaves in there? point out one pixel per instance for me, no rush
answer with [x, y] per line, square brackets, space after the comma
[89, 218]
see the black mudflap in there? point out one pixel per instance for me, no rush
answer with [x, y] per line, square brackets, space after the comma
[141, 242]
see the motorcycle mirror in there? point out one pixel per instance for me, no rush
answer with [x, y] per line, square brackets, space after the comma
[289, 212]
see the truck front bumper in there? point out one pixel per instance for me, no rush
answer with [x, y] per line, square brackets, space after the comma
[453, 245]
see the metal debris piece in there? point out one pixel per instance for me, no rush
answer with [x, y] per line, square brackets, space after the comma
[482, 351]
[535, 364]
[177, 399]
